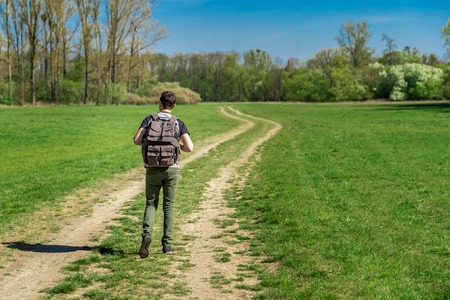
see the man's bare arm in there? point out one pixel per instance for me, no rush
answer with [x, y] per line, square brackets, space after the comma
[138, 138]
[187, 145]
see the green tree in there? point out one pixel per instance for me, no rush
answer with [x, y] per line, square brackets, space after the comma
[19, 44]
[353, 41]
[258, 59]
[323, 59]
[274, 84]
[401, 57]
[306, 85]
[390, 48]
[292, 65]
[216, 75]
[6, 14]
[178, 68]
[85, 14]
[415, 52]
[446, 81]
[231, 92]
[431, 60]
[55, 19]
[160, 63]
[244, 83]
[369, 77]
[344, 81]
[446, 35]
[197, 71]
[31, 11]
[257, 63]
[144, 32]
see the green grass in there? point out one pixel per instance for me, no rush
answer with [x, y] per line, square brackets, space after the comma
[223, 223]
[222, 257]
[48, 152]
[352, 201]
[119, 252]
[185, 266]
[70, 284]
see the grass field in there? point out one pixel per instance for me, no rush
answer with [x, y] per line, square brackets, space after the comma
[351, 200]
[48, 152]
[148, 279]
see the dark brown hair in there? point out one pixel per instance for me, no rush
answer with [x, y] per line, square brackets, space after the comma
[168, 99]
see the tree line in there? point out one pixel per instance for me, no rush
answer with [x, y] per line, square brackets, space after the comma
[65, 51]
[347, 72]
[101, 51]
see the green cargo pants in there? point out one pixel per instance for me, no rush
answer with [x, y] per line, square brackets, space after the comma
[155, 178]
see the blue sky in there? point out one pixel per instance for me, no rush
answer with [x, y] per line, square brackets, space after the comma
[296, 28]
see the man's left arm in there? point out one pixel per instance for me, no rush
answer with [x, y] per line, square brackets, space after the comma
[187, 145]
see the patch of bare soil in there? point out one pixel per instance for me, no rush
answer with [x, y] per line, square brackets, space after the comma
[33, 266]
[216, 253]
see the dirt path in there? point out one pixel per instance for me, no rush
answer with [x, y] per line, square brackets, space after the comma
[215, 259]
[36, 266]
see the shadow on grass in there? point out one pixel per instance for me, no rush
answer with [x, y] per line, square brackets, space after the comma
[102, 250]
[443, 107]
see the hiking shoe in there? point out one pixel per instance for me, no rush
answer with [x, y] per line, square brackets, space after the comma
[168, 250]
[146, 241]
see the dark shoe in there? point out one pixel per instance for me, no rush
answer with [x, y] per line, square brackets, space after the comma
[168, 250]
[146, 241]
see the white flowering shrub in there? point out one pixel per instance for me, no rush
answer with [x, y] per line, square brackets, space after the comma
[421, 74]
[376, 65]
[410, 81]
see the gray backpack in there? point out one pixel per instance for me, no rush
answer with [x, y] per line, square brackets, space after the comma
[161, 147]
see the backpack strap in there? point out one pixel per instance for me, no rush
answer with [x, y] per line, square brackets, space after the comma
[174, 120]
[155, 116]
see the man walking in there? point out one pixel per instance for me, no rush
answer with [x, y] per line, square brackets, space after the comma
[159, 136]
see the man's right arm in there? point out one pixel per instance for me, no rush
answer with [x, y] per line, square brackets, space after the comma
[139, 137]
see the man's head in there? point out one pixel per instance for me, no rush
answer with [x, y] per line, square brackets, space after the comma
[168, 100]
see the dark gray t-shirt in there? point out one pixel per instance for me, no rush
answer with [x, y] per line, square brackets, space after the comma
[180, 129]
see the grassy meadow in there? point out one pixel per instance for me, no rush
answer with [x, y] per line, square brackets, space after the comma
[131, 278]
[353, 201]
[349, 200]
[48, 152]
